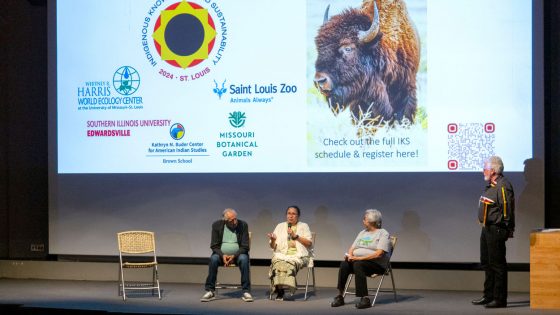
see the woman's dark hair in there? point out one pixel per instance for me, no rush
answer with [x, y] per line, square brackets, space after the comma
[295, 207]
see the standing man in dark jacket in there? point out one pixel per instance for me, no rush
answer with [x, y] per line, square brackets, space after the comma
[496, 215]
[230, 245]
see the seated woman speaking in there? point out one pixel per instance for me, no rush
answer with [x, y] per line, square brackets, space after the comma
[290, 242]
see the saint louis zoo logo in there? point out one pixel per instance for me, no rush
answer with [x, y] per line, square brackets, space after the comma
[220, 90]
[185, 34]
[237, 119]
[177, 131]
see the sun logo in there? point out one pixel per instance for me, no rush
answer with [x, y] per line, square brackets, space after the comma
[184, 34]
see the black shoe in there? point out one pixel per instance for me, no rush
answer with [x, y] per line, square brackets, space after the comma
[280, 295]
[364, 303]
[482, 301]
[496, 304]
[338, 301]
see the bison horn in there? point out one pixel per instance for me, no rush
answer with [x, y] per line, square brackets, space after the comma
[369, 35]
[326, 16]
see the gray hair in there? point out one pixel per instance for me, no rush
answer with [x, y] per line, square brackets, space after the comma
[495, 163]
[373, 216]
[228, 210]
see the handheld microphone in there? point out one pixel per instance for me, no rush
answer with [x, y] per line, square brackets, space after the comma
[289, 227]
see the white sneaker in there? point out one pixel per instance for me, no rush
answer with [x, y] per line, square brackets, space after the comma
[208, 296]
[247, 297]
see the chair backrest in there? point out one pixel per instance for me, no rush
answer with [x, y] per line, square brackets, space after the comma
[393, 243]
[136, 242]
[311, 248]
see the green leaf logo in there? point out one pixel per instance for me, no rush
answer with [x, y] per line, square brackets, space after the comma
[237, 119]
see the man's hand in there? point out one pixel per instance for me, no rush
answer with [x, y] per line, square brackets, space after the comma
[228, 259]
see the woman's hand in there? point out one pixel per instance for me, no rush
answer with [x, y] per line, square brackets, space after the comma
[272, 240]
[350, 257]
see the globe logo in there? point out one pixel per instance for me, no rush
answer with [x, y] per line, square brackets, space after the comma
[126, 80]
[177, 131]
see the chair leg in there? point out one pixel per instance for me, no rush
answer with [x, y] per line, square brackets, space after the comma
[307, 284]
[393, 281]
[313, 276]
[119, 285]
[378, 288]
[271, 288]
[156, 277]
[159, 288]
[347, 284]
[123, 284]
[153, 280]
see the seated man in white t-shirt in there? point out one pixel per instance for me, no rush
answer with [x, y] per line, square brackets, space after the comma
[368, 254]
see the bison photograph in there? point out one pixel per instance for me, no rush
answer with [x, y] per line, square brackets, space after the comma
[367, 61]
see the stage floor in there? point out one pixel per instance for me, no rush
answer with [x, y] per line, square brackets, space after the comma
[19, 296]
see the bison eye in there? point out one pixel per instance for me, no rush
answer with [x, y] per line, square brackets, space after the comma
[347, 50]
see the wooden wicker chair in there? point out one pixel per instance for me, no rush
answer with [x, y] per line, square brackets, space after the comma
[137, 250]
[388, 271]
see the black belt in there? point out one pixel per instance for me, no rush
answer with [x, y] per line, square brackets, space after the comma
[499, 225]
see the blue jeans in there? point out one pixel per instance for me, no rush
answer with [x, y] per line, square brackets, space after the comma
[243, 264]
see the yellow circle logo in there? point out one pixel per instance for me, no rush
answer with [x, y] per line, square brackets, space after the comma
[184, 34]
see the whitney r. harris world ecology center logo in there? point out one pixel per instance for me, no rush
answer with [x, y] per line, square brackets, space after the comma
[120, 94]
[185, 34]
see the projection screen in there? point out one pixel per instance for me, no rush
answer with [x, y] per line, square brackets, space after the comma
[164, 113]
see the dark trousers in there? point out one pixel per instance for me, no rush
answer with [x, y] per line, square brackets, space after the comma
[361, 270]
[493, 260]
[242, 262]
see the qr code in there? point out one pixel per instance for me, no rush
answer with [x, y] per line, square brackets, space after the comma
[469, 144]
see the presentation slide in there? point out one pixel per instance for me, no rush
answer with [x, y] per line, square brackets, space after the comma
[165, 112]
[231, 86]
